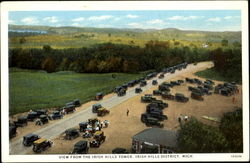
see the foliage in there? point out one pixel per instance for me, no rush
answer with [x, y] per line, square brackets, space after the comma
[196, 137]
[228, 63]
[231, 126]
[107, 57]
[32, 89]
[224, 42]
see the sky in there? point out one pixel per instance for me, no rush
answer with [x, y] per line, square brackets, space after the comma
[206, 20]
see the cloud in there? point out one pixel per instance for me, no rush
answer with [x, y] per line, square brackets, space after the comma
[185, 17]
[11, 21]
[131, 16]
[78, 19]
[155, 21]
[103, 17]
[216, 19]
[76, 24]
[30, 20]
[135, 25]
[52, 19]
[231, 17]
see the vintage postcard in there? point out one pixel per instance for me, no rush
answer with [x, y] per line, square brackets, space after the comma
[122, 81]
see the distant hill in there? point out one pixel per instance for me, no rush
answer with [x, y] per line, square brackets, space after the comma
[86, 36]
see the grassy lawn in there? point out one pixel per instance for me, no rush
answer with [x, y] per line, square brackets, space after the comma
[211, 74]
[31, 89]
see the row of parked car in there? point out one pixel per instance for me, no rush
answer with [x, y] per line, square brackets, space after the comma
[42, 116]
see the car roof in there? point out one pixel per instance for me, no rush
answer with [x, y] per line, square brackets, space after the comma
[98, 132]
[41, 140]
[82, 142]
[30, 135]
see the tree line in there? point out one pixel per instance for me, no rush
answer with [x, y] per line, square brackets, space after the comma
[107, 57]
[228, 62]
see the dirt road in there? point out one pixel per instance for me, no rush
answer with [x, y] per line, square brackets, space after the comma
[51, 131]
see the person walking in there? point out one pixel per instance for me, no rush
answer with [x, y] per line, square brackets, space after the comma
[233, 100]
[127, 112]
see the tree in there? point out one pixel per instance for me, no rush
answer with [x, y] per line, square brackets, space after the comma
[196, 137]
[232, 128]
[47, 48]
[22, 40]
[224, 42]
[49, 65]
[236, 44]
[64, 65]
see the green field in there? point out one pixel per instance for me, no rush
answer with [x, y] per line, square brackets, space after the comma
[31, 89]
[212, 74]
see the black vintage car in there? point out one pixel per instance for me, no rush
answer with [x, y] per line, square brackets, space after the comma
[12, 131]
[81, 147]
[150, 121]
[77, 102]
[69, 109]
[99, 96]
[55, 115]
[41, 145]
[29, 139]
[119, 151]
[154, 82]
[71, 133]
[122, 92]
[32, 116]
[138, 90]
[21, 121]
[143, 83]
[43, 119]
[181, 98]
[95, 107]
[42, 112]
[83, 126]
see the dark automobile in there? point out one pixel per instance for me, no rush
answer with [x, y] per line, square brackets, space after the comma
[122, 92]
[154, 82]
[43, 119]
[32, 116]
[42, 112]
[143, 83]
[12, 131]
[181, 98]
[99, 96]
[95, 107]
[71, 133]
[81, 147]
[41, 145]
[83, 126]
[69, 109]
[119, 151]
[21, 121]
[138, 90]
[29, 139]
[55, 115]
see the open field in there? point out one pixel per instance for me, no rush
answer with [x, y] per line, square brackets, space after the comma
[213, 74]
[38, 89]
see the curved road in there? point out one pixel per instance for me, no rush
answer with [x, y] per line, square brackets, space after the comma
[55, 129]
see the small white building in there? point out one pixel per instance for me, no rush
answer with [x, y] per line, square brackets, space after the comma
[154, 140]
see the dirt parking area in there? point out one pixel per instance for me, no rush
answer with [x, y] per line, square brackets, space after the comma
[123, 127]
